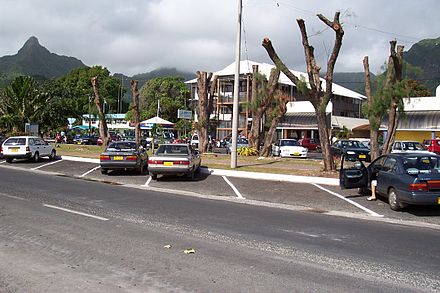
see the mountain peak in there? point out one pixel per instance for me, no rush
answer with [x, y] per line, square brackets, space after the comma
[32, 46]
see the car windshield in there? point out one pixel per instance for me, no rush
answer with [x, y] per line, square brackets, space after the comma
[412, 146]
[289, 143]
[122, 146]
[422, 164]
[242, 141]
[16, 141]
[172, 150]
[350, 144]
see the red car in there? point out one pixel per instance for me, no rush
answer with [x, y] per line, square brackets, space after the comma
[311, 144]
[433, 145]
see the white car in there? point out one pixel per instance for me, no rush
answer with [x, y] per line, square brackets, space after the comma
[409, 146]
[26, 147]
[289, 148]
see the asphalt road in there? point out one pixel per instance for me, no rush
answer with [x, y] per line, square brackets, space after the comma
[118, 244]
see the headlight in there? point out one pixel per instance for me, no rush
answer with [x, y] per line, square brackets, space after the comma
[350, 153]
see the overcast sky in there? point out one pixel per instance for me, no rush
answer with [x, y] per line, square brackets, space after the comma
[136, 36]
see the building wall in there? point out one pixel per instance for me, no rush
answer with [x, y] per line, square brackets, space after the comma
[414, 135]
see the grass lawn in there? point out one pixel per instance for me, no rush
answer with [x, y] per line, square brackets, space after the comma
[277, 165]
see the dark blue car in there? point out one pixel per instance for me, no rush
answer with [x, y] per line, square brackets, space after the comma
[404, 178]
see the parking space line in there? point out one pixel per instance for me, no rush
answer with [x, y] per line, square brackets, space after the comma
[90, 171]
[2, 162]
[372, 213]
[233, 188]
[75, 212]
[48, 164]
[148, 181]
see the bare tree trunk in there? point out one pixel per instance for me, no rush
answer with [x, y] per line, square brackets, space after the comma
[281, 109]
[103, 129]
[394, 74]
[373, 119]
[136, 115]
[205, 92]
[315, 94]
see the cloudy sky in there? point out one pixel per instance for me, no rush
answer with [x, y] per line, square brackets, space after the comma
[135, 36]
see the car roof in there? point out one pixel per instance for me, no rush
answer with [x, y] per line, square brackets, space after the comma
[23, 136]
[412, 154]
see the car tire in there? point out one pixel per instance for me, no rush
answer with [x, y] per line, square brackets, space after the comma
[9, 160]
[104, 171]
[395, 204]
[153, 176]
[52, 155]
[36, 157]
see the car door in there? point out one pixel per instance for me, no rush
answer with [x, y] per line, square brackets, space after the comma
[353, 173]
[46, 149]
[387, 175]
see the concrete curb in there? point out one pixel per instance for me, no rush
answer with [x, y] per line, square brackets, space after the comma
[243, 174]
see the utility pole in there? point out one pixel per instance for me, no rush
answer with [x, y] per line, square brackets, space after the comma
[235, 113]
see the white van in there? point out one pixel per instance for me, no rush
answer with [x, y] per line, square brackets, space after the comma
[26, 147]
[195, 140]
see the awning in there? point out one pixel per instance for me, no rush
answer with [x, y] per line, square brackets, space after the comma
[417, 121]
[301, 121]
[83, 127]
[149, 123]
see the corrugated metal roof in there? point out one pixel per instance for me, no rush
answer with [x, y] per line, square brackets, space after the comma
[418, 120]
[301, 121]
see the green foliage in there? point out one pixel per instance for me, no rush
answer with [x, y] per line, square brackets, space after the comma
[344, 133]
[172, 93]
[247, 151]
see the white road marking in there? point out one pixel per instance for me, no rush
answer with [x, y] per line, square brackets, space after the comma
[372, 213]
[2, 162]
[11, 196]
[233, 187]
[148, 181]
[75, 212]
[48, 164]
[90, 171]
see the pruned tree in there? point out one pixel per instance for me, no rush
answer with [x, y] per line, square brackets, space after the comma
[277, 111]
[316, 95]
[262, 98]
[373, 111]
[393, 77]
[103, 129]
[135, 109]
[205, 91]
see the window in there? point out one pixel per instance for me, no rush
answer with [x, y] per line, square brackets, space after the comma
[390, 165]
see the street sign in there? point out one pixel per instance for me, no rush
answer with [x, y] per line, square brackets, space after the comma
[184, 114]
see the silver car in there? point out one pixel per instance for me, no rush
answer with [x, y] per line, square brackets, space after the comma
[177, 159]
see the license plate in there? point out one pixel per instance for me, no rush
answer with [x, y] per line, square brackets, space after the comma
[14, 150]
[438, 200]
[362, 156]
[295, 154]
[167, 163]
[118, 158]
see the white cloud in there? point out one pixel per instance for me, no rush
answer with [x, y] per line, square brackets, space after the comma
[134, 36]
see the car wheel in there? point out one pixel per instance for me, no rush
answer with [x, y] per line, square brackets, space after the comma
[36, 157]
[153, 176]
[104, 171]
[395, 204]
[9, 160]
[53, 154]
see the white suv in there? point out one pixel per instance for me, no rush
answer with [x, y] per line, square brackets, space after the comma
[26, 147]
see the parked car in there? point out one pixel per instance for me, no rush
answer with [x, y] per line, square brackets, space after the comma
[408, 146]
[174, 158]
[26, 147]
[432, 145]
[123, 155]
[241, 142]
[404, 178]
[194, 140]
[350, 148]
[312, 144]
[2, 139]
[289, 148]
[86, 139]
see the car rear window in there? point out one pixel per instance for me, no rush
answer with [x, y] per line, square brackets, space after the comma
[172, 150]
[124, 145]
[16, 141]
[424, 164]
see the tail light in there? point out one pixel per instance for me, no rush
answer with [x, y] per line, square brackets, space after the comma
[150, 161]
[1, 149]
[418, 187]
[104, 158]
[130, 158]
[28, 149]
[181, 162]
